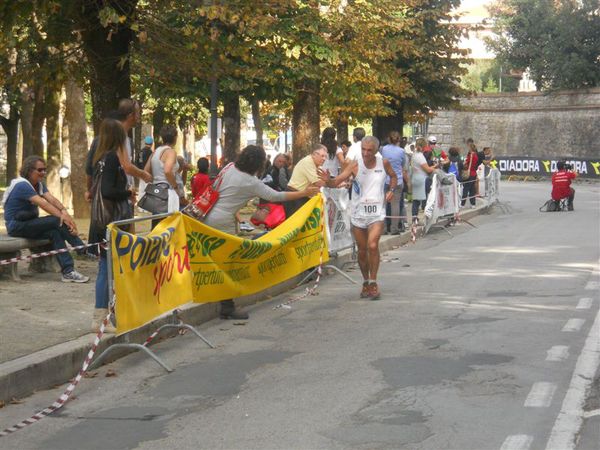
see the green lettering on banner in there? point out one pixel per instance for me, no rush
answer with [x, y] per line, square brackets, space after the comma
[313, 221]
[289, 236]
[199, 242]
[239, 274]
[272, 263]
[203, 278]
[305, 250]
[251, 249]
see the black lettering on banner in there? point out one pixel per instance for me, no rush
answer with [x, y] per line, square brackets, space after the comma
[208, 277]
[510, 165]
[251, 249]
[204, 243]
[272, 263]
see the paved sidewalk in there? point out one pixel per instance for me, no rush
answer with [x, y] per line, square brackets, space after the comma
[45, 323]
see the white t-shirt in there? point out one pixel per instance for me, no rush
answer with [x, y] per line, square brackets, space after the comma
[418, 158]
[333, 164]
[354, 152]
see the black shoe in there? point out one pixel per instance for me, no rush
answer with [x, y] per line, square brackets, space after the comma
[228, 311]
[570, 208]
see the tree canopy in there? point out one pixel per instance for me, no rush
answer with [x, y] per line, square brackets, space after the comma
[558, 40]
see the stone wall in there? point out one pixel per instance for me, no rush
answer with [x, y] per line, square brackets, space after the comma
[562, 124]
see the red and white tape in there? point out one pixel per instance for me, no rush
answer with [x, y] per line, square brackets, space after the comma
[5, 262]
[65, 396]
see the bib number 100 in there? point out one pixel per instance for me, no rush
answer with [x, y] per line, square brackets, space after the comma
[370, 209]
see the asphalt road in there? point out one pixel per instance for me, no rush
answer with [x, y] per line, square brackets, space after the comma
[482, 340]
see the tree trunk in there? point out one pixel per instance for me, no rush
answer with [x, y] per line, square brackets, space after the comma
[231, 124]
[306, 118]
[78, 146]
[383, 125]
[37, 121]
[341, 126]
[53, 153]
[107, 52]
[65, 183]
[27, 121]
[11, 129]
[255, 104]
[158, 120]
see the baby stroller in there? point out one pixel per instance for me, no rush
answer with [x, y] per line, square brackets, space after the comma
[268, 214]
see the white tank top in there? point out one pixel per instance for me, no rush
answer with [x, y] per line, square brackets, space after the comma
[368, 198]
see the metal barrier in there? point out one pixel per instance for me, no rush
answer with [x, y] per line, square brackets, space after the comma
[177, 322]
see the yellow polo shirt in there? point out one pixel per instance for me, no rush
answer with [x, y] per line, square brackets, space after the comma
[304, 174]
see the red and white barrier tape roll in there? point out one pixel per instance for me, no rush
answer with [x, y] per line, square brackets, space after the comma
[5, 262]
[65, 396]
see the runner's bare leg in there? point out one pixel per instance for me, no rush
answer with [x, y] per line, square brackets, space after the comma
[374, 233]
[360, 236]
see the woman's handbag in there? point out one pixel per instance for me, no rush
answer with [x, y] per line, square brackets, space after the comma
[156, 198]
[204, 202]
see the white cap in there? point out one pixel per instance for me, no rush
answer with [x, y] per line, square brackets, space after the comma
[432, 139]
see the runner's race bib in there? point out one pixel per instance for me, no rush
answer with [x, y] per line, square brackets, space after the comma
[369, 209]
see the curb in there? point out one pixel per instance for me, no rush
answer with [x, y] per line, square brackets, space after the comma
[55, 365]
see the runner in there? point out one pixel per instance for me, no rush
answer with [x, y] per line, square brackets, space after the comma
[368, 208]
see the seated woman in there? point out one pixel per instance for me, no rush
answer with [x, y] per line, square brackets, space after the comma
[22, 201]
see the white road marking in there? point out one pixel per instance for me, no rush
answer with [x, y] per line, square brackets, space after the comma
[585, 303]
[540, 395]
[558, 353]
[591, 285]
[517, 442]
[573, 325]
[570, 418]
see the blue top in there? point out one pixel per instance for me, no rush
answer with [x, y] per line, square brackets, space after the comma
[397, 158]
[18, 206]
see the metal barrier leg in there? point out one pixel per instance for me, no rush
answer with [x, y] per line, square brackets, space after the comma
[181, 326]
[146, 350]
[341, 272]
[310, 274]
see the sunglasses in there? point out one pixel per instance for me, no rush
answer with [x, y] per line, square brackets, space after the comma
[41, 170]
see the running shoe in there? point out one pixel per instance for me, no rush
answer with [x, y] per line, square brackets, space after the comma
[245, 226]
[374, 293]
[74, 277]
[365, 290]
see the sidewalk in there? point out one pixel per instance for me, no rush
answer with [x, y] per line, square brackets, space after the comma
[45, 323]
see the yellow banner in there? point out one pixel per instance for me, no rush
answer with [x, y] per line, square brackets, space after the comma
[184, 260]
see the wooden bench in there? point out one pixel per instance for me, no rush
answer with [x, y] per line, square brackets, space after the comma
[10, 247]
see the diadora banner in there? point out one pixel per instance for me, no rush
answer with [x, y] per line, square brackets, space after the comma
[183, 260]
[511, 165]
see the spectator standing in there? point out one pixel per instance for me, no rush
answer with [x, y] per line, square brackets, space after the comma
[307, 172]
[110, 202]
[279, 173]
[469, 184]
[22, 200]
[561, 184]
[354, 153]
[345, 148]
[335, 155]
[201, 180]
[240, 184]
[395, 154]
[163, 166]
[145, 152]
[420, 174]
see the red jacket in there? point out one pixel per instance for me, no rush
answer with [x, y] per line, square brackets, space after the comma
[561, 184]
[471, 160]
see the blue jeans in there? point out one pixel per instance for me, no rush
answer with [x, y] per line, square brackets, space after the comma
[102, 283]
[395, 208]
[47, 228]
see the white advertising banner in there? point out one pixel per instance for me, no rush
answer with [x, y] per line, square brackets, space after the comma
[337, 210]
[443, 200]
